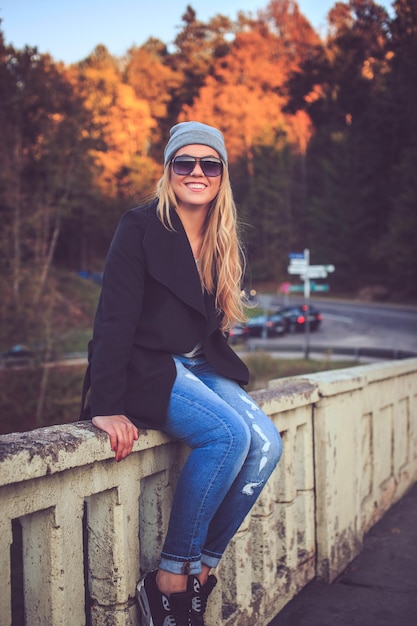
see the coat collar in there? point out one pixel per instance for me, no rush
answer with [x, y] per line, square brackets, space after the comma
[170, 260]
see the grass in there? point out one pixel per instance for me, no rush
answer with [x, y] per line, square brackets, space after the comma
[67, 324]
[263, 367]
[19, 388]
[74, 321]
[74, 340]
[19, 396]
[76, 302]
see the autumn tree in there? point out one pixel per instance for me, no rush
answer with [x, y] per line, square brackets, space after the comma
[245, 97]
[321, 139]
[340, 86]
[119, 135]
[121, 122]
[148, 71]
[198, 46]
[396, 250]
[41, 154]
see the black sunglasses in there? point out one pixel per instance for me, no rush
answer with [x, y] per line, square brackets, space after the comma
[184, 164]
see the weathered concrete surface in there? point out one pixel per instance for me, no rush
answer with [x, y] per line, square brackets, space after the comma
[378, 587]
[53, 449]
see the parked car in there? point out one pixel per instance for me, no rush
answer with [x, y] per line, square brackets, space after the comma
[238, 334]
[18, 355]
[295, 317]
[273, 324]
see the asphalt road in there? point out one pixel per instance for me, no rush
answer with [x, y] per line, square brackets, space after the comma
[352, 325]
[357, 329]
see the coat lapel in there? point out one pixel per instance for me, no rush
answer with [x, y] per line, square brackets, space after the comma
[171, 262]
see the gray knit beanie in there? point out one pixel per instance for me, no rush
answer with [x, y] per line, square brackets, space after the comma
[187, 133]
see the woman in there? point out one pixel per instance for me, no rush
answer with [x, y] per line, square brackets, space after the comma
[160, 359]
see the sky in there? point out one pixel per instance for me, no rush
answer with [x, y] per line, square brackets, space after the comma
[70, 31]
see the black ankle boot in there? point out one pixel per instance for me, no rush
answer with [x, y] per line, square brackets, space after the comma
[200, 597]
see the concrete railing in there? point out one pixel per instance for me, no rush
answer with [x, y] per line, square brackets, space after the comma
[77, 529]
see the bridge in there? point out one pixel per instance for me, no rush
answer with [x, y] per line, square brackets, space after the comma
[78, 529]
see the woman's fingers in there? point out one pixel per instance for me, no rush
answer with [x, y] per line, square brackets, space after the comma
[121, 431]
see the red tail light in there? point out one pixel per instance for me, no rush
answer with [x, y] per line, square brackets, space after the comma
[301, 319]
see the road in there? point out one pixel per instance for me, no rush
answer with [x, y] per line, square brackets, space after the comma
[348, 328]
[355, 325]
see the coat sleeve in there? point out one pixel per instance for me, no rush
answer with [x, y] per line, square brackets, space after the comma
[117, 316]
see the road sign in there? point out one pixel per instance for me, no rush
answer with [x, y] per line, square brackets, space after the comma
[297, 269]
[285, 287]
[316, 287]
[298, 262]
[313, 287]
[314, 272]
[326, 268]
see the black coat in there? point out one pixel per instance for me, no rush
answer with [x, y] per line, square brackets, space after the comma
[151, 306]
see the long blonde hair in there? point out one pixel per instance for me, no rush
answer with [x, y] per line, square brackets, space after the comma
[221, 260]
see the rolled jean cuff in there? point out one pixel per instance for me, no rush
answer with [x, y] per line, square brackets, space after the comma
[210, 560]
[180, 567]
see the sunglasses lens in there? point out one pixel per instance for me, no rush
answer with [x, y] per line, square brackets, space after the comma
[211, 168]
[184, 165]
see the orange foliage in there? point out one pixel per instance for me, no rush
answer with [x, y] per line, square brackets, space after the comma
[121, 122]
[126, 127]
[245, 97]
[151, 79]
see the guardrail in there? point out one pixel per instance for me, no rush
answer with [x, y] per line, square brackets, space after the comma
[356, 352]
[77, 529]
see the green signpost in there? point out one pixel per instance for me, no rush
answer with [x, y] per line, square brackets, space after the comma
[313, 287]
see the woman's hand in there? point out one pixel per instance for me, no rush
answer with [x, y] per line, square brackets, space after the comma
[121, 431]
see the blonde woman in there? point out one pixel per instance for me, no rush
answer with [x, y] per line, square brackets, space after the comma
[160, 358]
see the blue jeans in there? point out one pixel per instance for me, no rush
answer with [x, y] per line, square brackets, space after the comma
[234, 449]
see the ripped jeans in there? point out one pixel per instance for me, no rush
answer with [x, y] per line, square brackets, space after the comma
[234, 449]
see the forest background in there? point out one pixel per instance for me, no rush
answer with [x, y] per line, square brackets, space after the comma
[321, 134]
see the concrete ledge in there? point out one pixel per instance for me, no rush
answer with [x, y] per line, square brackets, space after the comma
[50, 450]
[286, 393]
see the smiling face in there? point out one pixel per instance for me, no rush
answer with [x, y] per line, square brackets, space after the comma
[195, 190]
